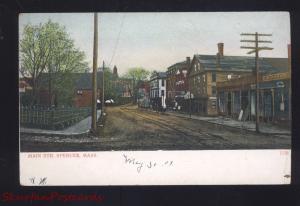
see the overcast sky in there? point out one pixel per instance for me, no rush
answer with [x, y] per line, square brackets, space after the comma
[158, 40]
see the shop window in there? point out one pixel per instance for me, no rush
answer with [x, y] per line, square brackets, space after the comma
[213, 90]
[79, 92]
[213, 77]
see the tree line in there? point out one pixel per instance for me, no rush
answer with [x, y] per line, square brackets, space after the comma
[48, 49]
[49, 60]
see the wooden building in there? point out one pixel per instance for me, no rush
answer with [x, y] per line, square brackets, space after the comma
[206, 71]
[274, 94]
[158, 85]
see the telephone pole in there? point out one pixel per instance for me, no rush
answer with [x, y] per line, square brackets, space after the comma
[95, 56]
[102, 112]
[256, 49]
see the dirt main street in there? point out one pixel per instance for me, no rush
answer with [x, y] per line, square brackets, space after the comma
[131, 128]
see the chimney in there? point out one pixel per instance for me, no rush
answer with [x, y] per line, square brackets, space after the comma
[220, 53]
[221, 49]
[188, 61]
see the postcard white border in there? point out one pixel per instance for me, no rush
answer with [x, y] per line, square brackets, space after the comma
[207, 167]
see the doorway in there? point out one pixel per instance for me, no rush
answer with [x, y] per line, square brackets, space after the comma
[229, 103]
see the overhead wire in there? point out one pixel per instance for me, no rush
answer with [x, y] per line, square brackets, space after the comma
[117, 42]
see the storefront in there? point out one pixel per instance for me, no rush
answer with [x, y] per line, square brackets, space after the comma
[235, 96]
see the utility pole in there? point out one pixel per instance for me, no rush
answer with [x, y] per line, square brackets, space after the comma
[94, 94]
[256, 49]
[189, 90]
[190, 104]
[102, 112]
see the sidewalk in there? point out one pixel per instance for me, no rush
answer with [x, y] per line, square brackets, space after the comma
[79, 128]
[248, 125]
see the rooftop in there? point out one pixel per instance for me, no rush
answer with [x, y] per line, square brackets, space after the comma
[82, 80]
[158, 75]
[178, 64]
[243, 63]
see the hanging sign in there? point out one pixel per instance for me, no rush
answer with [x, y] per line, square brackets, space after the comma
[280, 84]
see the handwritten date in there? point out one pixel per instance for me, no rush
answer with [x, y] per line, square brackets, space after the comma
[145, 164]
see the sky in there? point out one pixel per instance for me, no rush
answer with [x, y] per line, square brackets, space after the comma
[157, 40]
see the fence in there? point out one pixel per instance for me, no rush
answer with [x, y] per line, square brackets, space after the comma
[52, 118]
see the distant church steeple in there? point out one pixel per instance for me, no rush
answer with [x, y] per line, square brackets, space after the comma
[115, 71]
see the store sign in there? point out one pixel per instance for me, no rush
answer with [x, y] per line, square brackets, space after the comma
[277, 76]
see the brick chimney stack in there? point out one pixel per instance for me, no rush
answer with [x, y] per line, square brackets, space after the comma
[221, 49]
[220, 53]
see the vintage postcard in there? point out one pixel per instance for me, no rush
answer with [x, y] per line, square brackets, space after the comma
[183, 98]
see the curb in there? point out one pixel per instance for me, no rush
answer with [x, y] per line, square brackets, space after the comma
[56, 134]
[231, 127]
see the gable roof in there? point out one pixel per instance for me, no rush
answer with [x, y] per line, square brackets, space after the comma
[242, 63]
[280, 63]
[158, 75]
[81, 80]
[178, 64]
[85, 81]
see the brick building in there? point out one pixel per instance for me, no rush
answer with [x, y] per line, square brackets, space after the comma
[83, 89]
[177, 83]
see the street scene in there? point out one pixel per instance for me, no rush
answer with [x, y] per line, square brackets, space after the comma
[121, 86]
[130, 128]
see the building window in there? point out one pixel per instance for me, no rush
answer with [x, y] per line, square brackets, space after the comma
[213, 76]
[162, 83]
[199, 79]
[213, 90]
[203, 76]
[162, 92]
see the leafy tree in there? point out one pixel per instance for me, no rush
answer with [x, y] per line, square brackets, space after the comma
[47, 48]
[153, 73]
[137, 74]
[109, 91]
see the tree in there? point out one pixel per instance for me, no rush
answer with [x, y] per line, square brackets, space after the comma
[47, 48]
[136, 74]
